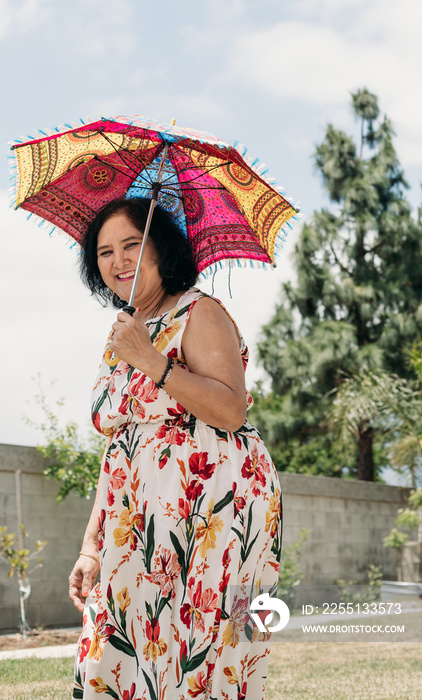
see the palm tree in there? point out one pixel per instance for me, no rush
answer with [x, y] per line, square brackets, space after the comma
[379, 404]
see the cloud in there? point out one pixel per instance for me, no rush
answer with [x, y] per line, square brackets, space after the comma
[322, 61]
[106, 30]
[193, 108]
[22, 15]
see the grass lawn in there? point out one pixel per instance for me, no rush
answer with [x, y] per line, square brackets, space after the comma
[36, 679]
[297, 671]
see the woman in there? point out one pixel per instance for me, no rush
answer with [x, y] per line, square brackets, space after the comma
[187, 518]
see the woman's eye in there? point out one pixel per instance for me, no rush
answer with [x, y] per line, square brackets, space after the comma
[130, 245]
[105, 252]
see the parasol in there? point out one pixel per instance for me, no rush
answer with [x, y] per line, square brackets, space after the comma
[225, 205]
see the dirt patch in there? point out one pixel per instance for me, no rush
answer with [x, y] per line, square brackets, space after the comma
[38, 638]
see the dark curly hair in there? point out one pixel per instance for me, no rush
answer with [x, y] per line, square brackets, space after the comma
[176, 265]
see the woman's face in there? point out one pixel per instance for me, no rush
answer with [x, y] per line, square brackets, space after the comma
[118, 247]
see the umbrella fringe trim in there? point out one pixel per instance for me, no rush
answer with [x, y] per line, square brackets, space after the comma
[261, 170]
[53, 130]
[12, 189]
[231, 263]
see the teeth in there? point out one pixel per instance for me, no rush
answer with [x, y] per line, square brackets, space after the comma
[124, 275]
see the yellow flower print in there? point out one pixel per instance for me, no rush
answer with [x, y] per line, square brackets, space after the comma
[98, 685]
[125, 533]
[102, 632]
[156, 645]
[237, 621]
[111, 360]
[124, 600]
[272, 514]
[208, 531]
[163, 338]
[231, 674]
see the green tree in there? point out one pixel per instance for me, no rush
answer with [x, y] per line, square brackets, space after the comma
[72, 458]
[357, 300]
[391, 406]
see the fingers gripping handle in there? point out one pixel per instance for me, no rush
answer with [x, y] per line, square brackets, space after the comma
[129, 309]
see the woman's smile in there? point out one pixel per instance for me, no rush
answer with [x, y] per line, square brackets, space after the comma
[126, 275]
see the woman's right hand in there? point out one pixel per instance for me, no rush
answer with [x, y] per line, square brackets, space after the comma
[82, 580]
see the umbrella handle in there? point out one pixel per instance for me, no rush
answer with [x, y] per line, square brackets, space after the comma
[129, 309]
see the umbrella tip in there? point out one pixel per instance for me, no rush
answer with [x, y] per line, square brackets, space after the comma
[172, 122]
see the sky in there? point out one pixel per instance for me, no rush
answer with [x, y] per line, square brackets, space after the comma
[271, 75]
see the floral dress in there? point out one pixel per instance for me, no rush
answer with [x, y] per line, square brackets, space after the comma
[189, 533]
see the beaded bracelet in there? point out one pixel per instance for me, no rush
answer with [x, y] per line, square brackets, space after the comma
[166, 375]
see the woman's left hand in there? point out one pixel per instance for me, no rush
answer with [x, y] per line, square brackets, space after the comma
[131, 341]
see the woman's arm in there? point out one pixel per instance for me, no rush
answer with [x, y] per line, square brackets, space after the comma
[214, 389]
[84, 573]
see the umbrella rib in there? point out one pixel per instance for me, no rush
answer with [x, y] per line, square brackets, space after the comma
[119, 154]
[203, 172]
[145, 175]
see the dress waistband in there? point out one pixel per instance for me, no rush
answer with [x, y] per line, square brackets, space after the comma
[186, 421]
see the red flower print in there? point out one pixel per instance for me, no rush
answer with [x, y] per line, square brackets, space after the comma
[170, 570]
[163, 461]
[153, 629]
[223, 583]
[200, 602]
[117, 478]
[254, 468]
[193, 490]
[198, 465]
[141, 391]
[183, 654]
[186, 614]
[156, 646]
[184, 508]
[101, 531]
[84, 648]
[216, 625]
[226, 558]
[238, 501]
[96, 421]
[176, 412]
[130, 695]
[110, 497]
[124, 405]
[106, 467]
[171, 434]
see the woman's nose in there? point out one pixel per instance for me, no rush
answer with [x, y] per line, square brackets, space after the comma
[120, 259]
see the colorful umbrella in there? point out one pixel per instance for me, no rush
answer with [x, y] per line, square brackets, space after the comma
[224, 204]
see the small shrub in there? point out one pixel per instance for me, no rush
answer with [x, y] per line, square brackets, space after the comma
[290, 574]
[351, 592]
[19, 561]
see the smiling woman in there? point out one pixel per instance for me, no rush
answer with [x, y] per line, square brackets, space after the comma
[172, 250]
[186, 525]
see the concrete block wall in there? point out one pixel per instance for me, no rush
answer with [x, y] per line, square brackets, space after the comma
[61, 524]
[347, 522]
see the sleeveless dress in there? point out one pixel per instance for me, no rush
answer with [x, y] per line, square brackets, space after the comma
[189, 533]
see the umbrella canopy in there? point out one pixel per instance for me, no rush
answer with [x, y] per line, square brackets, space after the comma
[224, 204]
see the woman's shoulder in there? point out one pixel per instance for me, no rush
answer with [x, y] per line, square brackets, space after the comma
[211, 310]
